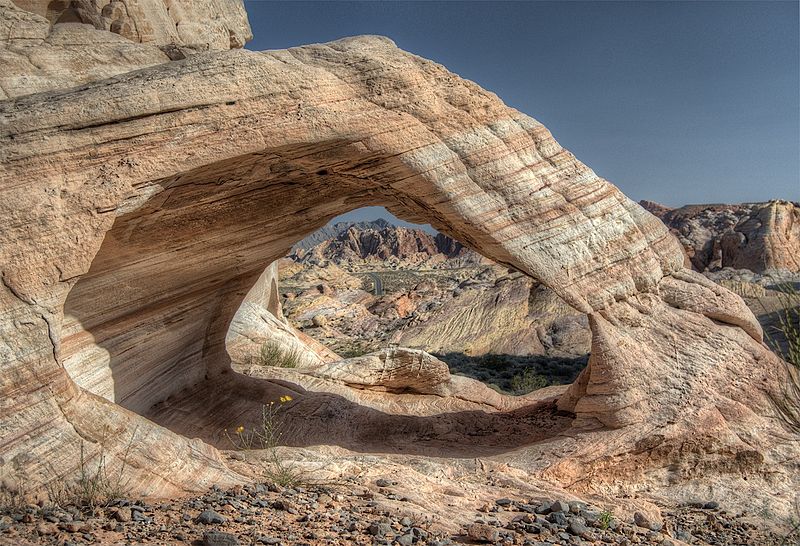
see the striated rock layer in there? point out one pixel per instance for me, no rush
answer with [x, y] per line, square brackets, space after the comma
[141, 210]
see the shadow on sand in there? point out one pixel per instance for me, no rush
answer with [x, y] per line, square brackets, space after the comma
[321, 418]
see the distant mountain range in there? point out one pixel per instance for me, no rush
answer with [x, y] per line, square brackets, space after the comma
[332, 231]
[378, 241]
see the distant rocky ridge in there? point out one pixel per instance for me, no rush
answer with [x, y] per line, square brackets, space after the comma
[332, 231]
[380, 241]
[760, 237]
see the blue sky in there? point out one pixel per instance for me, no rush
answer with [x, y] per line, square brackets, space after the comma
[677, 102]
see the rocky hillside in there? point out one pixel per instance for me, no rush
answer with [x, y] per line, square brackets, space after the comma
[379, 242]
[332, 231]
[760, 237]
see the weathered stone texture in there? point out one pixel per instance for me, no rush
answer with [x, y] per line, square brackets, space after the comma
[46, 45]
[760, 237]
[140, 211]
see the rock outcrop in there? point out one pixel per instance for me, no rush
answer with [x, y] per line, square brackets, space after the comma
[332, 231]
[760, 237]
[140, 210]
[56, 44]
[513, 315]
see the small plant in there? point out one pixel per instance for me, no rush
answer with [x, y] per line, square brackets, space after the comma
[787, 403]
[96, 484]
[13, 486]
[605, 519]
[793, 536]
[527, 381]
[272, 353]
[267, 437]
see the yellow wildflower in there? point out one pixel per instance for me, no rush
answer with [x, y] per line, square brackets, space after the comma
[285, 399]
[239, 429]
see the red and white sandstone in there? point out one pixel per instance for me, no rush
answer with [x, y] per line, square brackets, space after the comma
[140, 210]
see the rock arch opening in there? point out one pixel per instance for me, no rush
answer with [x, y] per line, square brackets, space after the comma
[150, 325]
[137, 229]
[368, 281]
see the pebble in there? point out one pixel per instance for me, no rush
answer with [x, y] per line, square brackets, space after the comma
[218, 538]
[209, 516]
[643, 521]
[256, 509]
[46, 529]
[559, 518]
[120, 514]
[380, 529]
[577, 527]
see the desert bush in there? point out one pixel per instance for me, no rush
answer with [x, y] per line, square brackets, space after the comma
[785, 340]
[605, 519]
[266, 436]
[272, 353]
[13, 485]
[498, 362]
[96, 484]
[352, 352]
[527, 381]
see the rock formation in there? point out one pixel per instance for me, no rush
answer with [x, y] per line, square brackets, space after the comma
[513, 315]
[760, 237]
[334, 230]
[141, 209]
[400, 245]
[53, 44]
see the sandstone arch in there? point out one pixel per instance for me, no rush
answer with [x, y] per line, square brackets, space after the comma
[140, 209]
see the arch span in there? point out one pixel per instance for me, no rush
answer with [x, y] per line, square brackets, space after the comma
[142, 209]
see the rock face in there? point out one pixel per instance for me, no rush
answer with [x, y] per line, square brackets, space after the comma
[62, 43]
[141, 210]
[334, 230]
[513, 315]
[203, 25]
[760, 237]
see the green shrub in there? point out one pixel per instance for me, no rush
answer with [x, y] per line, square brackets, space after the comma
[272, 353]
[785, 340]
[605, 519]
[497, 362]
[266, 436]
[527, 381]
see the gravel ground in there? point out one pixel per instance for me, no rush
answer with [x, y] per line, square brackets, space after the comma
[260, 514]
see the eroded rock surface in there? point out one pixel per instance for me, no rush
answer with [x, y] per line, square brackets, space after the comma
[759, 237]
[59, 44]
[141, 210]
